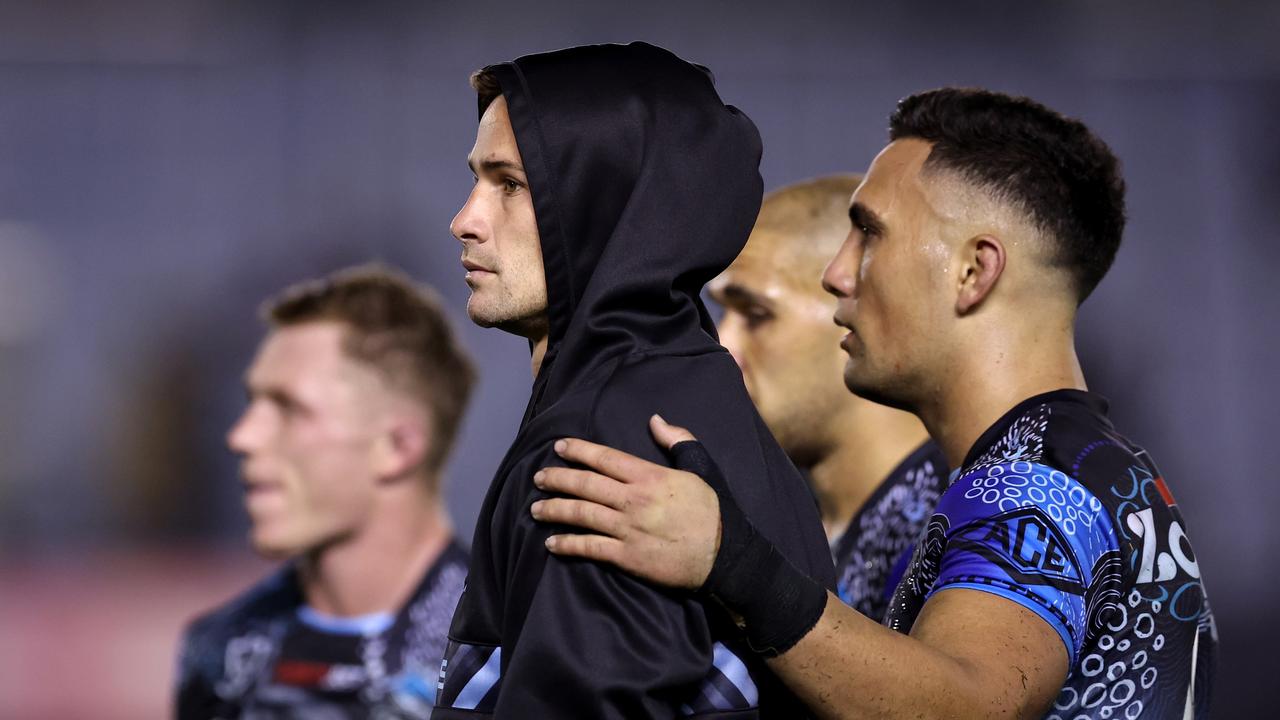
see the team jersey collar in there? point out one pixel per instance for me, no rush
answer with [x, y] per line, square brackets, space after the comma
[1093, 402]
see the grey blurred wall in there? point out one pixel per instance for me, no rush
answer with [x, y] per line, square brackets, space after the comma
[165, 165]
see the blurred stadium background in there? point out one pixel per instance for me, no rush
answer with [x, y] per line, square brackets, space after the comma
[166, 164]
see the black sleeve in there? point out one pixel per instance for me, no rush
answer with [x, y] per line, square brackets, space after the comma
[596, 643]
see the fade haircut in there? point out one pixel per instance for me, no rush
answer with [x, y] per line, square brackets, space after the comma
[1051, 168]
[395, 327]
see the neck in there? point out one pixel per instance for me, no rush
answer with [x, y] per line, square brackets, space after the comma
[998, 370]
[537, 349]
[870, 442]
[379, 569]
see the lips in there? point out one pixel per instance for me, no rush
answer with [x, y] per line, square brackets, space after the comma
[472, 266]
[844, 341]
[261, 487]
[256, 481]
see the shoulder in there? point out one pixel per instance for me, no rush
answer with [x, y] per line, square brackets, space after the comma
[272, 597]
[207, 638]
[1034, 535]
[924, 471]
[1068, 431]
[449, 573]
[700, 390]
[1019, 490]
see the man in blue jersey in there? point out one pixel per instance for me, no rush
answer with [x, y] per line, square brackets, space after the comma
[873, 469]
[354, 399]
[1056, 578]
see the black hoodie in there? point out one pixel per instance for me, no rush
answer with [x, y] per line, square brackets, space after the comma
[645, 185]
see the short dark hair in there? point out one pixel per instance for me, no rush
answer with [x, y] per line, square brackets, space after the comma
[1052, 168]
[487, 87]
[396, 327]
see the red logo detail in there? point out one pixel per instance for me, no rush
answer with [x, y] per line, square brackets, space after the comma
[1164, 492]
[305, 674]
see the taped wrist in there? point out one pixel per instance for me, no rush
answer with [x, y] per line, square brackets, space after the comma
[778, 603]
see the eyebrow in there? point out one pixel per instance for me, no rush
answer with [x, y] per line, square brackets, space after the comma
[269, 391]
[495, 165]
[739, 295]
[862, 216]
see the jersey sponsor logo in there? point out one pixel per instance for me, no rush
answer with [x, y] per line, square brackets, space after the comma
[298, 672]
[1157, 564]
[1027, 545]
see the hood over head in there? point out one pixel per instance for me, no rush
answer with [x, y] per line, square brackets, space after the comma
[645, 186]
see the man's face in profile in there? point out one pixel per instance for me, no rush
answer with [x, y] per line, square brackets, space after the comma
[499, 233]
[892, 278]
[777, 325]
[306, 441]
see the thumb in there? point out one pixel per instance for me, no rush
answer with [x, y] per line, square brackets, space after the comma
[667, 434]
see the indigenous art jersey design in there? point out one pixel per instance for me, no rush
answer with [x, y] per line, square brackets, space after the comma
[873, 552]
[267, 655]
[1054, 510]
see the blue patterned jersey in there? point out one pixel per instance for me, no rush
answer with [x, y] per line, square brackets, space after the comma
[872, 553]
[1054, 510]
[267, 655]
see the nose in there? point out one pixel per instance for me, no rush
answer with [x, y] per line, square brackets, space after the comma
[730, 331]
[840, 276]
[469, 223]
[245, 435]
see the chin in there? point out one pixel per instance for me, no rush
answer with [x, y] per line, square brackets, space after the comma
[272, 548]
[869, 389]
[478, 313]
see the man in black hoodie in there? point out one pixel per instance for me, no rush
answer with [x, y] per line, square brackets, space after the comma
[611, 184]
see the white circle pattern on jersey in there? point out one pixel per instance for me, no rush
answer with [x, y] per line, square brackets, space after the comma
[1064, 499]
[1125, 675]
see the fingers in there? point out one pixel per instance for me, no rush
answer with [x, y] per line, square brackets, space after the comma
[592, 547]
[613, 463]
[583, 484]
[580, 513]
[667, 434]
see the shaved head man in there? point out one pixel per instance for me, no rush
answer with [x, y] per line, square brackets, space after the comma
[872, 468]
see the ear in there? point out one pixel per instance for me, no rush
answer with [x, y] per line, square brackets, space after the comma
[982, 264]
[401, 448]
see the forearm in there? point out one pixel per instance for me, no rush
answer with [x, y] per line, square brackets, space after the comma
[849, 666]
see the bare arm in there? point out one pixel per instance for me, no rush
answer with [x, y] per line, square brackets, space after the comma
[970, 654]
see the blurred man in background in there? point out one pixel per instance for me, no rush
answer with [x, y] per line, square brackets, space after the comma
[876, 474]
[355, 397]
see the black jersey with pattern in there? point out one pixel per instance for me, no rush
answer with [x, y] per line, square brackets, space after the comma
[1056, 511]
[267, 655]
[872, 553]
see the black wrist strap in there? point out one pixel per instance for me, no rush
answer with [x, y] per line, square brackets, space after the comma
[777, 602]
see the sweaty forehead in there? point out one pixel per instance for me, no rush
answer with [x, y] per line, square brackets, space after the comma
[896, 171]
[900, 190]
